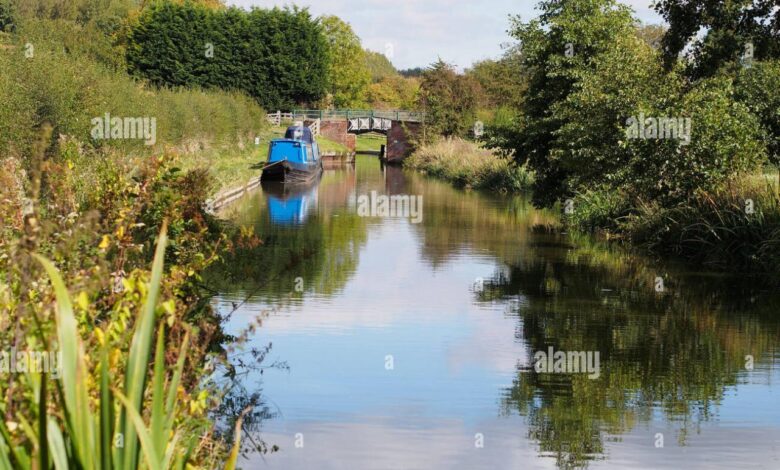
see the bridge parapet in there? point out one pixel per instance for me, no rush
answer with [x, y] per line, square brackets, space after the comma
[348, 114]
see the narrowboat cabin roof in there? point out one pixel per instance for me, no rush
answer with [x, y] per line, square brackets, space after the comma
[302, 133]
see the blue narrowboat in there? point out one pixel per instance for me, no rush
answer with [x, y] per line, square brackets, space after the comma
[293, 159]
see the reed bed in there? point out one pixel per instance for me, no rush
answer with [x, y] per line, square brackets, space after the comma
[468, 165]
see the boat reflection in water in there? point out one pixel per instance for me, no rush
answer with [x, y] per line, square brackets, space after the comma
[290, 204]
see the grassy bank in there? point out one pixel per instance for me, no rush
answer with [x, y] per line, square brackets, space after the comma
[70, 89]
[468, 165]
[736, 228]
[96, 209]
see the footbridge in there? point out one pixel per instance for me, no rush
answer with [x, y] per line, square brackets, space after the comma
[358, 121]
[342, 125]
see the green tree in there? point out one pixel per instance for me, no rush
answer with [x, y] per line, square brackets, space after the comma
[414, 72]
[500, 82]
[592, 77]
[758, 87]
[558, 48]
[725, 141]
[393, 92]
[379, 66]
[449, 100]
[590, 146]
[348, 73]
[652, 34]
[732, 29]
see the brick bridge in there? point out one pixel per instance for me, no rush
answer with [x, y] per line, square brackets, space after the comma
[401, 127]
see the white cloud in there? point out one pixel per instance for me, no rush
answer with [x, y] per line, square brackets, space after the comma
[420, 31]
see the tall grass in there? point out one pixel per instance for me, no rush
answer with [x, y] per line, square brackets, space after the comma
[466, 164]
[736, 228]
[87, 436]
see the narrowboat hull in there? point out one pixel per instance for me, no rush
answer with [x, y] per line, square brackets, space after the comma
[290, 172]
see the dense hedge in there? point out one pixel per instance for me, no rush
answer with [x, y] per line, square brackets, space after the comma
[277, 56]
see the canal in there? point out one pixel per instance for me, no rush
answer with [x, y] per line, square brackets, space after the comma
[398, 343]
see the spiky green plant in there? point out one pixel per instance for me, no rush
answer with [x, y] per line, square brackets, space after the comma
[88, 439]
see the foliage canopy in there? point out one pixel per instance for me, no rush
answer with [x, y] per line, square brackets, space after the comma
[277, 56]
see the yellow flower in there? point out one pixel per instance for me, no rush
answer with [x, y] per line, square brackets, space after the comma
[82, 300]
[101, 337]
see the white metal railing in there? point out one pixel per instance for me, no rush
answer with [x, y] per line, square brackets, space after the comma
[369, 124]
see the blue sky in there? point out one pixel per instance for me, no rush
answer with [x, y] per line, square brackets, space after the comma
[415, 33]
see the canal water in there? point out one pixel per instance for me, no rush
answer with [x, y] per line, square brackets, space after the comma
[403, 345]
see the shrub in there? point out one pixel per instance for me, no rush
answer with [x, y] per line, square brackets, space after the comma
[725, 142]
[599, 209]
[758, 88]
[7, 16]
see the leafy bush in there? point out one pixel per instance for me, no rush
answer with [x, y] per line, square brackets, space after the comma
[101, 246]
[7, 16]
[758, 88]
[725, 142]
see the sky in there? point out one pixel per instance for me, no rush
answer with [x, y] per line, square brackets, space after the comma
[415, 33]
